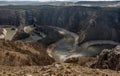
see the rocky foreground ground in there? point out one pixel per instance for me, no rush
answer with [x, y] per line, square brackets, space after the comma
[56, 69]
[31, 59]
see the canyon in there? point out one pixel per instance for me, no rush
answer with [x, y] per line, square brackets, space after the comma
[45, 35]
[90, 23]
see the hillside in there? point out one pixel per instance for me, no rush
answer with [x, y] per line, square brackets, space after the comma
[23, 53]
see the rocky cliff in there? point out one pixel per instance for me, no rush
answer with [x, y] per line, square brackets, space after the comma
[90, 23]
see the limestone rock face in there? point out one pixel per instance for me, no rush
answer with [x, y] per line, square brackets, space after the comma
[109, 59]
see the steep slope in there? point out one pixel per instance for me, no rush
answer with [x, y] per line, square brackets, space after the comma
[23, 53]
[90, 23]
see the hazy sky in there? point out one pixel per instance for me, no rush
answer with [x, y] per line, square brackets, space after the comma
[59, 0]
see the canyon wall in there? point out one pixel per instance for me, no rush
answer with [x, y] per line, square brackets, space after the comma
[90, 23]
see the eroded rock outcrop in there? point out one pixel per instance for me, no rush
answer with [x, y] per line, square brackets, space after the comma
[109, 59]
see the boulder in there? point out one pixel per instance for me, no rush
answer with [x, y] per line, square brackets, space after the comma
[108, 59]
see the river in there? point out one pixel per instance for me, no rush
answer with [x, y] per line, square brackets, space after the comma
[67, 47]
